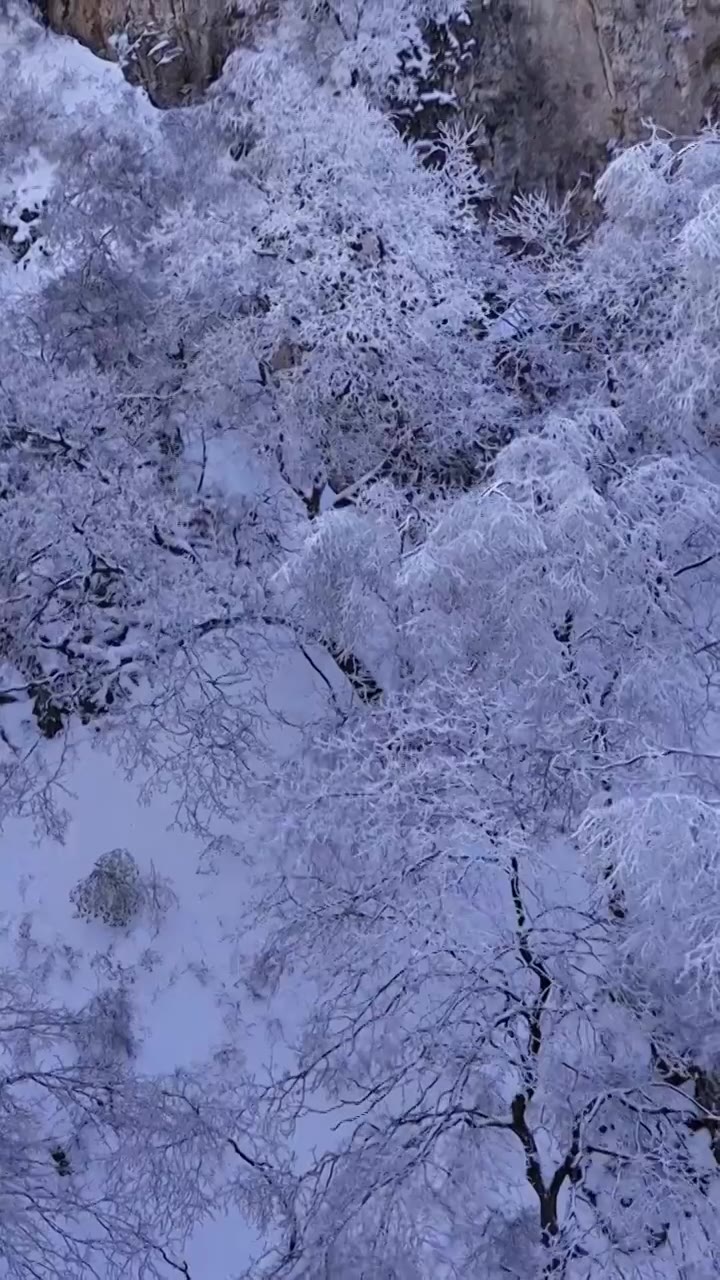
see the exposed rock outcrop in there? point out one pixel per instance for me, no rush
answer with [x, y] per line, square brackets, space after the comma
[174, 47]
[559, 81]
[556, 81]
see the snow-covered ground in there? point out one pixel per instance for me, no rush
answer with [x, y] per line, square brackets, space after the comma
[65, 69]
[185, 976]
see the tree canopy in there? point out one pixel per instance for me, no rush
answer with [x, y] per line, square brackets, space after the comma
[276, 385]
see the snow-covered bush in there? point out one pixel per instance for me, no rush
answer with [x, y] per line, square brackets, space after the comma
[105, 1035]
[116, 893]
[113, 893]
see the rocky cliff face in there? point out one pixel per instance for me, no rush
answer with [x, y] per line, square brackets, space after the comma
[174, 47]
[556, 81]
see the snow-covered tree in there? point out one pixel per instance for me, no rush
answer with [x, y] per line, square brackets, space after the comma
[370, 281]
[312, 296]
[481, 958]
[480, 498]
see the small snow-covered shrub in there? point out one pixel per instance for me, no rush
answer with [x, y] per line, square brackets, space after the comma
[159, 898]
[105, 1035]
[117, 894]
[112, 892]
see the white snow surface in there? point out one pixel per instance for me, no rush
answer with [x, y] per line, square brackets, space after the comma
[77, 79]
[186, 979]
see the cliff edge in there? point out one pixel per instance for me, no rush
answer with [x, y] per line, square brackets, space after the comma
[555, 81]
